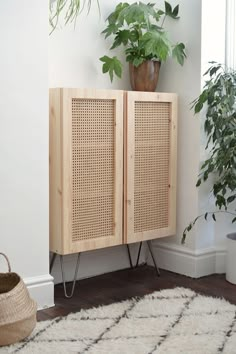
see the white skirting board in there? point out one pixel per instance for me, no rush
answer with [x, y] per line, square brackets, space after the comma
[182, 260]
[92, 263]
[172, 257]
[41, 289]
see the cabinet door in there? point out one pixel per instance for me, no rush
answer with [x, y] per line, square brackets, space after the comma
[92, 169]
[150, 166]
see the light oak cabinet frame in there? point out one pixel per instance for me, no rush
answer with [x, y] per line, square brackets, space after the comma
[62, 172]
[130, 150]
[151, 132]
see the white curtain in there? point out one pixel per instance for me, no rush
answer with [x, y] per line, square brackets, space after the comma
[231, 34]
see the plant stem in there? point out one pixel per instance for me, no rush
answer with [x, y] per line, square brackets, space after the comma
[163, 22]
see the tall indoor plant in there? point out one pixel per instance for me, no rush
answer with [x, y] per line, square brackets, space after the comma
[218, 98]
[219, 95]
[139, 28]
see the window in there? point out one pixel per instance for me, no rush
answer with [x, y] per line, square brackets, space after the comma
[231, 34]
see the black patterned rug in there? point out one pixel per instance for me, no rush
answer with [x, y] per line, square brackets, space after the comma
[165, 322]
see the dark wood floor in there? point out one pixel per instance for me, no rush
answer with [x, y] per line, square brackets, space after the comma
[124, 284]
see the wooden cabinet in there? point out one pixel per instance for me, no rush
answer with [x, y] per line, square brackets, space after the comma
[110, 185]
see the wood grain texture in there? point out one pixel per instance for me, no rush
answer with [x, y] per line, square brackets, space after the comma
[91, 169]
[98, 198]
[173, 165]
[150, 193]
[55, 171]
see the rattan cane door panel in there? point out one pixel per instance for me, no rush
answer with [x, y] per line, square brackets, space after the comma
[150, 166]
[92, 169]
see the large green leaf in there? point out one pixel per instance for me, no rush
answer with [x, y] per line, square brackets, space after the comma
[156, 44]
[178, 52]
[175, 11]
[135, 55]
[112, 28]
[171, 13]
[113, 17]
[137, 12]
[168, 8]
[134, 35]
[121, 37]
[111, 65]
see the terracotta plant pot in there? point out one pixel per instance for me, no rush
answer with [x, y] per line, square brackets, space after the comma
[145, 76]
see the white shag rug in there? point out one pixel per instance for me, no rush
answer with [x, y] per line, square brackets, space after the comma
[164, 322]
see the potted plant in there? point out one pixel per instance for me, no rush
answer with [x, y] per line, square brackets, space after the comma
[139, 28]
[219, 99]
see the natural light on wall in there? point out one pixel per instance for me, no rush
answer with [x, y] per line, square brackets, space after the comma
[231, 34]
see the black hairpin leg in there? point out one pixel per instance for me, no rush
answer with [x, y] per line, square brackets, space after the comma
[75, 277]
[129, 255]
[149, 243]
[139, 251]
[52, 261]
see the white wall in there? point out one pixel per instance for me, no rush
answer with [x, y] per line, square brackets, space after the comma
[74, 52]
[186, 82]
[24, 143]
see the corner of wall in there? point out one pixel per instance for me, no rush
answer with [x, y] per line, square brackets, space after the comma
[182, 260]
[41, 289]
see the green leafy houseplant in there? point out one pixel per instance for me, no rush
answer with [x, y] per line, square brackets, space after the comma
[219, 99]
[140, 29]
[70, 8]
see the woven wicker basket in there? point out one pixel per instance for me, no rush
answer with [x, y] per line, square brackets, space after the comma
[17, 309]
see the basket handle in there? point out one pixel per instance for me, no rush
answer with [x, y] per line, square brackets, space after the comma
[8, 262]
